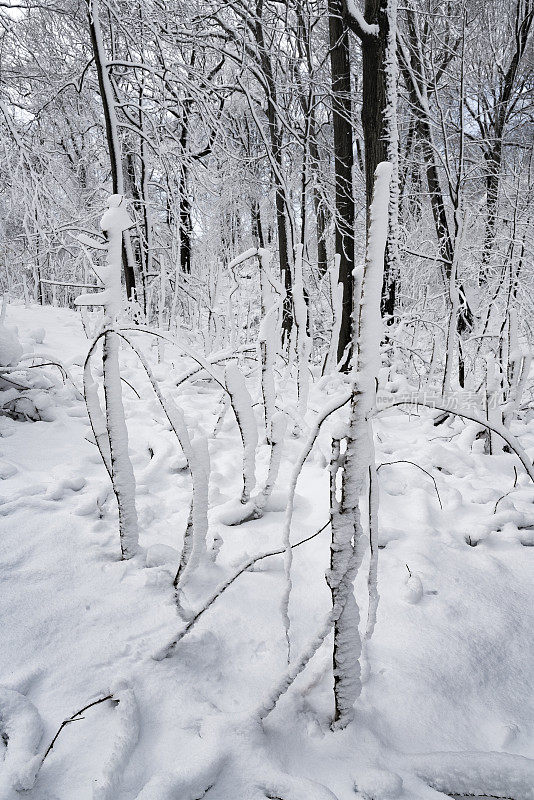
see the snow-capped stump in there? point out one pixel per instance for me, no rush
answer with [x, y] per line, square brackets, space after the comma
[21, 729]
[125, 739]
[178, 463]
[413, 588]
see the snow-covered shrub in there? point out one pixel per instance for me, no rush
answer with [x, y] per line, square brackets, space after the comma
[25, 393]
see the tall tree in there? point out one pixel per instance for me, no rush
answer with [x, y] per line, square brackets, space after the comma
[112, 132]
[343, 165]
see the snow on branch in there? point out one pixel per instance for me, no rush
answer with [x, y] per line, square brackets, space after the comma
[357, 22]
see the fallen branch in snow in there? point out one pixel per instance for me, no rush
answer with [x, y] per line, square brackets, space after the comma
[12, 382]
[75, 717]
[405, 461]
[216, 359]
[72, 285]
[441, 404]
[476, 774]
[49, 363]
[169, 649]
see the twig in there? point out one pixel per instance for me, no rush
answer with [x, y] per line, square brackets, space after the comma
[73, 285]
[405, 461]
[14, 383]
[74, 718]
[508, 492]
[223, 587]
[131, 387]
[441, 404]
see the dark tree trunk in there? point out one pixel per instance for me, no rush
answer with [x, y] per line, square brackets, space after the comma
[255, 218]
[133, 188]
[111, 136]
[275, 135]
[493, 159]
[186, 227]
[374, 127]
[374, 94]
[343, 164]
[373, 121]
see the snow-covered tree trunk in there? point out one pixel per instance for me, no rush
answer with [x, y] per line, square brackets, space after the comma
[303, 342]
[114, 222]
[246, 421]
[493, 402]
[278, 430]
[336, 295]
[269, 336]
[346, 490]
[392, 134]
[346, 543]
[121, 467]
[194, 548]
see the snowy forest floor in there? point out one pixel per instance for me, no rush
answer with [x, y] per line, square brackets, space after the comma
[451, 659]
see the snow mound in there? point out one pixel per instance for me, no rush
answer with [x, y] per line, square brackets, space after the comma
[22, 731]
[494, 774]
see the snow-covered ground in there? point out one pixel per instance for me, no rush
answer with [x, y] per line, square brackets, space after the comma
[451, 661]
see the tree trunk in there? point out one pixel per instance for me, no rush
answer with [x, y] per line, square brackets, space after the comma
[114, 147]
[275, 135]
[343, 165]
[374, 46]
